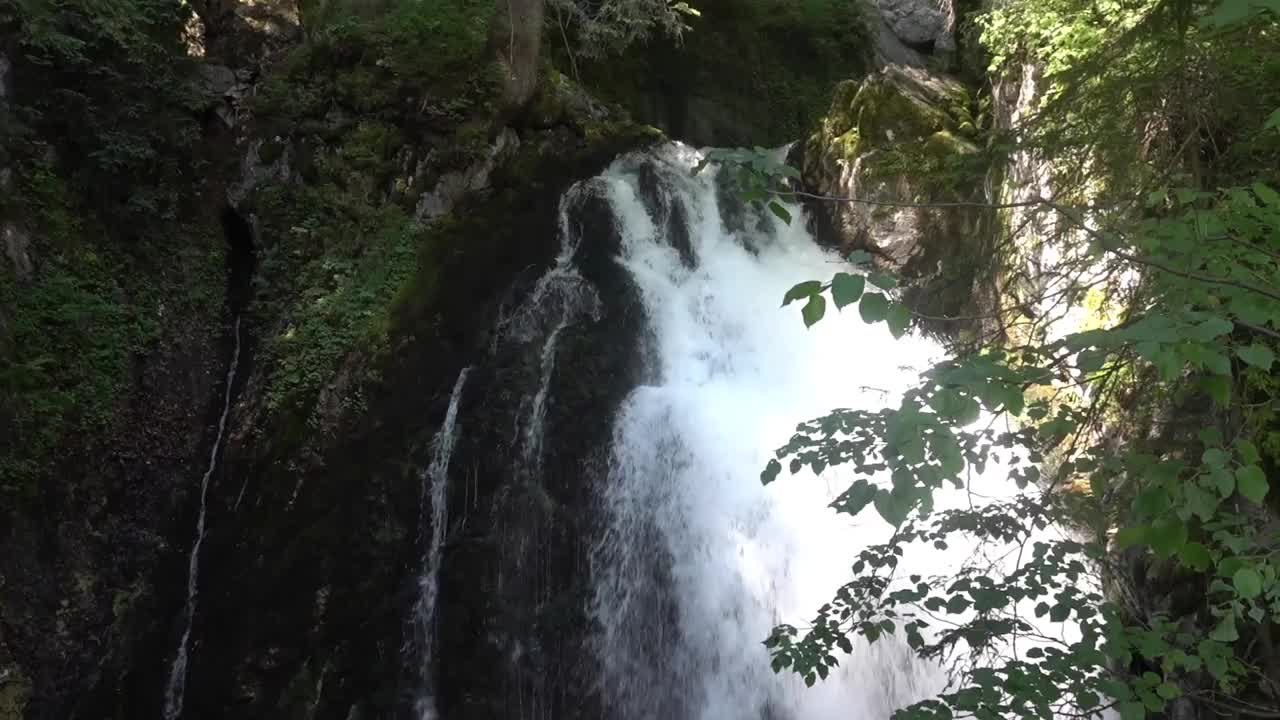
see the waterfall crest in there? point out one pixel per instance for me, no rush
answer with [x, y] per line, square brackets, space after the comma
[698, 560]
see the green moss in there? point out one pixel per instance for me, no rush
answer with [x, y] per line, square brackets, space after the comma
[940, 166]
[369, 58]
[72, 330]
[898, 129]
[886, 112]
[14, 693]
[332, 265]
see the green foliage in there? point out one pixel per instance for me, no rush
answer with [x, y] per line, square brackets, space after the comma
[99, 133]
[1208, 296]
[107, 85]
[341, 250]
[373, 58]
[1108, 69]
[70, 333]
[603, 28]
[332, 279]
[757, 71]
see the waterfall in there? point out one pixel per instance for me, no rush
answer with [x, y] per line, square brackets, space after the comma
[175, 690]
[561, 297]
[698, 560]
[435, 483]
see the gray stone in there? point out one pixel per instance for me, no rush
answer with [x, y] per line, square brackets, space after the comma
[254, 172]
[453, 186]
[222, 90]
[915, 22]
[16, 248]
[215, 81]
[891, 51]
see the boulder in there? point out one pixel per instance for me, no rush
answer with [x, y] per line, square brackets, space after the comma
[918, 23]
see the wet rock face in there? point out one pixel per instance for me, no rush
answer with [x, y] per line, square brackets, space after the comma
[310, 568]
[515, 584]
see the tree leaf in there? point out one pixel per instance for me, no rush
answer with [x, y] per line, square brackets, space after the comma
[1223, 480]
[1264, 192]
[891, 507]
[1248, 452]
[801, 291]
[846, 288]
[1228, 12]
[858, 496]
[1252, 483]
[1226, 630]
[1215, 457]
[777, 209]
[814, 310]
[1130, 536]
[1201, 502]
[1273, 120]
[1257, 355]
[770, 472]
[1248, 582]
[1132, 711]
[1217, 387]
[1195, 556]
[882, 280]
[874, 307]
[898, 318]
[1167, 536]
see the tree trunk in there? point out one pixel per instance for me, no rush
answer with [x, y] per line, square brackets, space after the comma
[515, 34]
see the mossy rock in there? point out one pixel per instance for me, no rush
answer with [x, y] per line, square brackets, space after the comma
[14, 693]
[889, 111]
[896, 137]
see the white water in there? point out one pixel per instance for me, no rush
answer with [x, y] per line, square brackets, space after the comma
[699, 560]
[175, 691]
[435, 483]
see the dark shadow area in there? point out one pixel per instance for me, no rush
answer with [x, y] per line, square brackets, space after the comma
[242, 259]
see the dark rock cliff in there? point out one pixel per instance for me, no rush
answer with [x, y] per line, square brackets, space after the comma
[355, 193]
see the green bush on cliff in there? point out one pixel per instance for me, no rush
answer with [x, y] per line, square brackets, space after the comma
[336, 266]
[374, 57]
[73, 328]
[341, 248]
[108, 86]
[98, 131]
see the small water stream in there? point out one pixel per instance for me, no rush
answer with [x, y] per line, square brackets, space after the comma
[433, 509]
[175, 690]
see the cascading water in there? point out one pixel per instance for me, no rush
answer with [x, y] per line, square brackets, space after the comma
[175, 690]
[561, 298]
[698, 560]
[433, 508]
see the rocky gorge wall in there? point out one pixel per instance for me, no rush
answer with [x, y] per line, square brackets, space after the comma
[373, 220]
